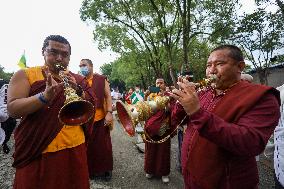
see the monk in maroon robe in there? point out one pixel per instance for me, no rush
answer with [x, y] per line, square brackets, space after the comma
[228, 125]
[48, 154]
[157, 155]
[99, 147]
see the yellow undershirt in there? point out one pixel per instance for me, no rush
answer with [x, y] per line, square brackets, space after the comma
[69, 136]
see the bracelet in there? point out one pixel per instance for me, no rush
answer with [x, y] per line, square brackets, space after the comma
[41, 98]
[109, 111]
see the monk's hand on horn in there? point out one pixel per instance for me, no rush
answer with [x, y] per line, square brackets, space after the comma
[70, 79]
[51, 85]
[187, 97]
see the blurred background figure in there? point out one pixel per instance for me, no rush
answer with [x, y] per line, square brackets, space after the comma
[128, 96]
[275, 146]
[137, 95]
[8, 124]
[246, 77]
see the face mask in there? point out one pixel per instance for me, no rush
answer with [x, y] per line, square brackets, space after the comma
[84, 70]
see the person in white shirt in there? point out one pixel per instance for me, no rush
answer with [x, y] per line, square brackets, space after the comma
[115, 94]
[3, 110]
[279, 145]
[7, 124]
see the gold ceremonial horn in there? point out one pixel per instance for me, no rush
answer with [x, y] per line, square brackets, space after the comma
[131, 115]
[206, 82]
[75, 110]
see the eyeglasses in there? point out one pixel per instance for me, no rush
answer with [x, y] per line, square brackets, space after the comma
[55, 53]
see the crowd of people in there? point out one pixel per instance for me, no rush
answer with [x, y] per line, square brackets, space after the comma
[224, 125]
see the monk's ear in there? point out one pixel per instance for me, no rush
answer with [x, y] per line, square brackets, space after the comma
[241, 65]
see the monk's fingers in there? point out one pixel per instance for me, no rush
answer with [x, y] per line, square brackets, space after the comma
[176, 97]
[45, 71]
[189, 88]
[186, 81]
[178, 94]
[187, 77]
[49, 80]
[180, 78]
[185, 85]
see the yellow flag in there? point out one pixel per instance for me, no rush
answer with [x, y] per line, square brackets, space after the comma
[22, 62]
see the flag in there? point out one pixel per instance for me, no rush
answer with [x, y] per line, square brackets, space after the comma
[22, 62]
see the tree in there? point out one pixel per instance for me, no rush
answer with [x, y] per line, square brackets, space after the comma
[204, 19]
[155, 27]
[278, 3]
[135, 26]
[260, 34]
[5, 76]
[106, 69]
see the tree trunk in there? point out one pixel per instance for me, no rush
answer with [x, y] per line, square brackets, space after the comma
[143, 81]
[185, 36]
[157, 72]
[262, 75]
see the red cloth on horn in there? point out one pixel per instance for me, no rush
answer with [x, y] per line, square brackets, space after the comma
[158, 156]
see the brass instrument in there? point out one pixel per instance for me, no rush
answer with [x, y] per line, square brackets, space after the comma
[131, 115]
[75, 110]
[205, 82]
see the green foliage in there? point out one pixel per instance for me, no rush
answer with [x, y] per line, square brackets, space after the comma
[260, 34]
[153, 36]
[106, 69]
[5, 76]
[152, 28]
[199, 52]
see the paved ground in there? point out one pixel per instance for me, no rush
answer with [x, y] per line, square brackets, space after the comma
[128, 168]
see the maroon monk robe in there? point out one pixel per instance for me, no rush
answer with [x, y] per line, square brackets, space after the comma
[158, 156]
[36, 131]
[99, 150]
[34, 134]
[62, 169]
[221, 154]
[99, 147]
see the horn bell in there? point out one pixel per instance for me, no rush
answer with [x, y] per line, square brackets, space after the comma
[76, 112]
[125, 118]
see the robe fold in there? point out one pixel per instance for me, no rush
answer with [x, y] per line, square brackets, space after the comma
[99, 151]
